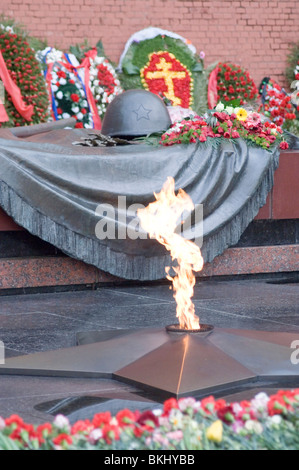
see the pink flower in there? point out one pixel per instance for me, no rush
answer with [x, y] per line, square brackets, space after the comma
[235, 135]
[253, 119]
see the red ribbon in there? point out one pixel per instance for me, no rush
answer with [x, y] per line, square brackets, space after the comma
[212, 89]
[15, 93]
[3, 114]
[86, 64]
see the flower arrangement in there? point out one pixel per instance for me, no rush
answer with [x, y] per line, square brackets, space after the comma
[225, 122]
[263, 423]
[104, 83]
[167, 66]
[100, 73]
[66, 89]
[277, 103]
[25, 71]
[235, 83]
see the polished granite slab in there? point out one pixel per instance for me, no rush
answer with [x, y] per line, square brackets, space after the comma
[44, 322]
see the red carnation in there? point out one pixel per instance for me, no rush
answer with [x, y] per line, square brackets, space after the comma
[61, 439]
[75, 97]
[284, 145]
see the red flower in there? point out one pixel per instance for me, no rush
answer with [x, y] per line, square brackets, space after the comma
[75, 97]
[61, 74]
[111, 433]
[62, 439]
[14, 419]
[170, 404]
[81, 426]
[226, 414]
[125, 417]
[79, 125]
[149, 419]
[101, 419]
[284, 145]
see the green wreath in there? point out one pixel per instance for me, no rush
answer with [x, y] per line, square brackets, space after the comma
[137, 58]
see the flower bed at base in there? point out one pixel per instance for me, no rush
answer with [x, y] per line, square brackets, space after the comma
[264, 423]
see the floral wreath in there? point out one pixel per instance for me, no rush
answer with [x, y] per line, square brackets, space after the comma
[229, 82]
[66, 89]
[25, 99]
[166, 66]
[104, 83]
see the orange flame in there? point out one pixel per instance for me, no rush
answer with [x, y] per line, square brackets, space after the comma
[160, 220]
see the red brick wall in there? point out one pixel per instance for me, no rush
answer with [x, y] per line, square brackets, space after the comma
[255, 34]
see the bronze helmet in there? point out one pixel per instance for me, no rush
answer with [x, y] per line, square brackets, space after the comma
[135, 113]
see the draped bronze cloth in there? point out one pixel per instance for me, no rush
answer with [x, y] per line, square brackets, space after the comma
[52, 189]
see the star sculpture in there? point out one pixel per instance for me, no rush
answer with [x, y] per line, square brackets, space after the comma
[142, 113]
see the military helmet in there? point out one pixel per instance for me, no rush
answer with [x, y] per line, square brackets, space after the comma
[135, 113]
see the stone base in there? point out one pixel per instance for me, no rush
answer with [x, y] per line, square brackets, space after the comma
[22, 273]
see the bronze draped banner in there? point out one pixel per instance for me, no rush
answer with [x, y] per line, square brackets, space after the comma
[53, 188]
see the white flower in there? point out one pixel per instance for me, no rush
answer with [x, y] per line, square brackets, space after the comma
[176, 418]
[54, 88]
[237, 408]
[94, 436]
[80, 116]
[96, 82]
[2, 423]
[62, 81]
[185, 403]
[276, 420]
[75, 109]
[254, 426]
[220, 107]
[66, 115]
[61, 422]
[229, 110]
[260, 402]
[59, 95]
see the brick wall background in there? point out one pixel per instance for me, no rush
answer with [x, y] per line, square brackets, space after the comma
[254, 34]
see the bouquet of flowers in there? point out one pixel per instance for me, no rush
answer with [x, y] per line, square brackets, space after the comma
[225, 122]
[235, 83]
